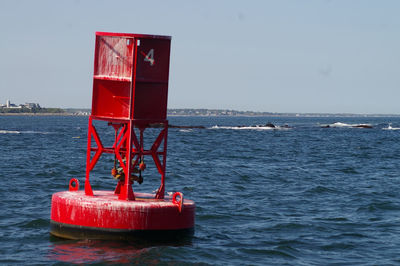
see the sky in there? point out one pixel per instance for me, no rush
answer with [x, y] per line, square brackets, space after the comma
[310, 56]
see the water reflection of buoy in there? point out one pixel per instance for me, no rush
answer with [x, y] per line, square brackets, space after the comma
[131, 97]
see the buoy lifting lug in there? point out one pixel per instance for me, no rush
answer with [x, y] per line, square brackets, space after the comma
[180, 202]
[73, 184]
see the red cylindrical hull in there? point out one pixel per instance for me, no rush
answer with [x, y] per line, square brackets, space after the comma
[75, 215]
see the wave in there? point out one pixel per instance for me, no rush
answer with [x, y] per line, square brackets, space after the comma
[23, 132]
[36, 132]
[391, 128]
[9, 132]
[339, 124]
[36, 223]
[251, 127]
[344, 125]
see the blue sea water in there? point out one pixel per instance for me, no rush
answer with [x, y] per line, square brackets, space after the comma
[304, 195]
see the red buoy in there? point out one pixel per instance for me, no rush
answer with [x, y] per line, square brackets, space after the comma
[130, 88]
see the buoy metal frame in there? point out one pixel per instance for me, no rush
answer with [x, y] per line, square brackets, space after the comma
[126, 140]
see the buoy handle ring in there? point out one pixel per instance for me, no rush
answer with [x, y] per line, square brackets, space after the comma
[180, 202]
[73, 184]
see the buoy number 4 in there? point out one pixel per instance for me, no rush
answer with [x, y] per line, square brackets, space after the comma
[149, 57]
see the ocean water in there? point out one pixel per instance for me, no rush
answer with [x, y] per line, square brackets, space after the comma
[297, 195]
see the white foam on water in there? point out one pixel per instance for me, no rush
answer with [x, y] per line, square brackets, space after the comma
[250, 127]
[9, 132]
[23, 132]
[340, 124]
[391, 128]
[36, 132]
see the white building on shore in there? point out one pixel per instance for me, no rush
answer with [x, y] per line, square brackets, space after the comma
[20, 106]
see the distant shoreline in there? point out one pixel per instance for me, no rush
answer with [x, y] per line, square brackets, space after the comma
[37, 114]
[205, 113]
[220, 115]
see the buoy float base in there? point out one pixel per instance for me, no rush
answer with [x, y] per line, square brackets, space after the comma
[75, 215]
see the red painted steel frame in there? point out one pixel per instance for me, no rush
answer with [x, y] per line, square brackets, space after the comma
[126, 137]
[130, 88]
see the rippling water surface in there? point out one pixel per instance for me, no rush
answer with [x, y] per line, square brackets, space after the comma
[303, 194]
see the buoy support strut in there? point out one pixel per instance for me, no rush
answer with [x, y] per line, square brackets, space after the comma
[126, 139]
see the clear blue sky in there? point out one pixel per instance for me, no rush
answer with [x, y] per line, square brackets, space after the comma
[279, 56]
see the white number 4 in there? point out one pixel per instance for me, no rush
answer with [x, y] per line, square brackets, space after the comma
[150, 57]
